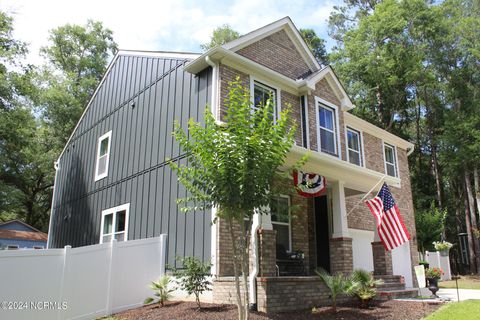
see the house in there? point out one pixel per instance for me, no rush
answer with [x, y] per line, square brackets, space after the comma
[113, 181]
[15, 234]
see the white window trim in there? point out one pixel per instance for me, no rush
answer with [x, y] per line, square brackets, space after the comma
[362, 145]
[289, 223]
[318, 103]
[397, 172]
[114, 211]
[264, 83]
[97, 159]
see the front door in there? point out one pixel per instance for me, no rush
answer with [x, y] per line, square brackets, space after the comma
[322, 233]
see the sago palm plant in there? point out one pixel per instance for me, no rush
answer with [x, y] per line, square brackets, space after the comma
[161, 291]
[366, 286]
[338, 284]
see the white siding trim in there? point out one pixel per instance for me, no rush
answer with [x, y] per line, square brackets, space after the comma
[318, 102]
[114, 211]
[97, 158]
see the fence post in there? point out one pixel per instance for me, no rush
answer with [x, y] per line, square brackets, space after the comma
[163, 251]
[111, 282]
[66, 259]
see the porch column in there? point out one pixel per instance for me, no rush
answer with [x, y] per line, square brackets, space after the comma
[340, 222]
[267, 251]
[341, 253]
[382, 259]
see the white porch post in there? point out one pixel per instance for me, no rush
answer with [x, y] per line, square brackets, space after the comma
[340, 222]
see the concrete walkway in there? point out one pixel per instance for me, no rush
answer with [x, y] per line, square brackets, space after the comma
[450, 294]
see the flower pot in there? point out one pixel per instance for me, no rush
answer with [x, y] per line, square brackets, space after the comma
[433, 286]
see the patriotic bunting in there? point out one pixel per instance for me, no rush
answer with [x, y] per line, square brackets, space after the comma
[309, 185]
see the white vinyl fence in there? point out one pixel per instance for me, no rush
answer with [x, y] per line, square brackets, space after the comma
[436, 260]
[79, 283]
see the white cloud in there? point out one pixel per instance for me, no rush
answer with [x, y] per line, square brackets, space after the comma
[158, 25]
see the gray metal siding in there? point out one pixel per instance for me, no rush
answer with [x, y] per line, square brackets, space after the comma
[140, 144]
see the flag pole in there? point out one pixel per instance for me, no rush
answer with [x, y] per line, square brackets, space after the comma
[366, 194]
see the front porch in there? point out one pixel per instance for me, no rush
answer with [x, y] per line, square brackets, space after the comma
[321, 230]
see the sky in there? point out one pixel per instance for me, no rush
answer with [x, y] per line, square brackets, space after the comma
[163, 25]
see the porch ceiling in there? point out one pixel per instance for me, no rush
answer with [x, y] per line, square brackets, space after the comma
[334, 169]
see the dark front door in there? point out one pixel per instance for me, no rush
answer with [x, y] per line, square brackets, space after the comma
[321, 231]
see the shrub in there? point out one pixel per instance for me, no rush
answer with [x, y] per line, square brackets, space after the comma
[366, 286]
[194, 278]
[338, 284]
[161, 291]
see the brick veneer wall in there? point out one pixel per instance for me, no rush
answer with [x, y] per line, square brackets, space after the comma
[382, 259]
[225, 249]
[373, 153]
[226, 75]
[295, 113]
[278, 53]
[282, 294]
[224, 291]
[341, 255]
[267, 252]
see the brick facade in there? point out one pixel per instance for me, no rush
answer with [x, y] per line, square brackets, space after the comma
[278, 53]
[283, 294]
[267, 253]
[382, 260]
[341, 255]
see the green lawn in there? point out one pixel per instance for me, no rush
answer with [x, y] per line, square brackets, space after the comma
[465, 282]
[465, 310]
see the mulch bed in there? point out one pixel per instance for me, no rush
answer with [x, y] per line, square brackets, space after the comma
[398, 310]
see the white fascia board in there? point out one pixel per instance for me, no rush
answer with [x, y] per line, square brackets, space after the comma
[334, 169]
[380, 133]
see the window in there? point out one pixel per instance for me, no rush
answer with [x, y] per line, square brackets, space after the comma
[38, 247]
[103, 156]
[390, 160]
[115, 224]
[327, 131]
[354, 147]
[261, 93]
[280, 214]
[13, 247]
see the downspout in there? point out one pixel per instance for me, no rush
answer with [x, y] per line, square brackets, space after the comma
[49, 235]
[213, 107]
[256, 223]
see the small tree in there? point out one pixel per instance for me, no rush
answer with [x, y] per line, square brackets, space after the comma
[338, 284]
[233, 166]
[162, 291]
[194, 278]
[366, 289]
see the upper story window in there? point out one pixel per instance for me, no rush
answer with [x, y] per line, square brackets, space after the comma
[261, 93]
[327, 129]
[114, 224]
[103, 156]
[354, 147]
[280, 214]
[390, 160]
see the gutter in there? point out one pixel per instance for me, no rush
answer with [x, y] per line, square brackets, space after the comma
[213, 107]
[256, 223]
[49, 236]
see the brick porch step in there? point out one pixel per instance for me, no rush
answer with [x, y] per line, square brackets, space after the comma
[390, 286]
[389, 278]
[396, 294]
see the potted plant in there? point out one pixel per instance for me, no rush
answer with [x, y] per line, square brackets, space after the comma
[443, 247]
[433, 275]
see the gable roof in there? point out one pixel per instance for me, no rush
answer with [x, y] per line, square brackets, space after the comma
[23, 235]
[285, 24]
[3, 224]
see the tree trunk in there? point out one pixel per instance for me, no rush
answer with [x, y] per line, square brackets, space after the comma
[438, 180]
[241, 311]
[473, 218]
[476, 184]
[468, 226]
[245, 263]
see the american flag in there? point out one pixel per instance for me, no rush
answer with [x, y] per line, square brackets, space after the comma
[390, 226]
